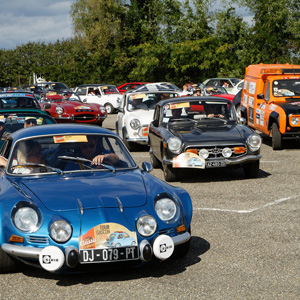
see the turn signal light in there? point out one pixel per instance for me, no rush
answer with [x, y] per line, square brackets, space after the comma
[180, 228]
[192, 151]
[16, 239]
[239, 149]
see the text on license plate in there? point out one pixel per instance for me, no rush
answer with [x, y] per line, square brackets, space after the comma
[215, 164]
[108, 254]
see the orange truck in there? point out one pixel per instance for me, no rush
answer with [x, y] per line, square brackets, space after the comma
[270, 101]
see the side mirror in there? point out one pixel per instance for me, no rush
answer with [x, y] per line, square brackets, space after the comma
[260, 96]
[147, 166]
[242, 121]
[84, 101]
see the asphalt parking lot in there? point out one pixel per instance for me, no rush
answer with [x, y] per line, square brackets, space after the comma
[245, 242]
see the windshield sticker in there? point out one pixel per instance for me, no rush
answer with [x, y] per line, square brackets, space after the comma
[108, 235]
[275, 82]
[179, 105]
[15, 95]
[70, 139]
[272, 107]
[138, 96]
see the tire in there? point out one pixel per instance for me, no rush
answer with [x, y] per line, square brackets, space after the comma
[251, 170]
[109, 108]
[6, 263]
[276, 137]
[238, 111]
[154, 161]
[117, 128]
[129, 145]
[170, 173]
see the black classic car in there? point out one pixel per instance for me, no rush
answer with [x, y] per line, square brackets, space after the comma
[201, 132]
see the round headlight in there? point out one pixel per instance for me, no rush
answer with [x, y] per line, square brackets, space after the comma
[166, 209]
[226, 152]
[254, 142]
[204, 153]
[26, 219]
[102, 109]
[59, 110]
[146, 225]
[135, 124]
[174, 145]
[60, 231]
[295, 121]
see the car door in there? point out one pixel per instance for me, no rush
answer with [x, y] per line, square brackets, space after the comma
[155, 137]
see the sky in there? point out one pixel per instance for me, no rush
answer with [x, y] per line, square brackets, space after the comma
[24, 21]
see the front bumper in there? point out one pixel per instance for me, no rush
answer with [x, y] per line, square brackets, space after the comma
[27, 252]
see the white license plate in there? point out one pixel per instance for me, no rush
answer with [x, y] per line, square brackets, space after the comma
[215, 164]
[108, 254]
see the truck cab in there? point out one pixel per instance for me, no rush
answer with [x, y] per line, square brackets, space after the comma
[271, 101]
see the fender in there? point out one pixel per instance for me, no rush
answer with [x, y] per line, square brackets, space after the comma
[243, 111]
[274, 117]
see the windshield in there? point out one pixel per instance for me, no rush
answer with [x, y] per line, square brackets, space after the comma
[11, 122]
[286, 87]
[18, 100]
[69, 153]
[197, 111]
[147, 100]
[109, 89]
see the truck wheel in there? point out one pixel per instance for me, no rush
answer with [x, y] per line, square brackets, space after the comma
[251, 169]
[276, 137]
[109, 108]
[6, 263]
[170, 173]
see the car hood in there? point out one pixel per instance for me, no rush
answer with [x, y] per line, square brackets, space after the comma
[196, 135]
[93, 191]
[76, 105]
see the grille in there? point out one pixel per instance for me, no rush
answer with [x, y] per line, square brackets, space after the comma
[37, 239]
[167, 231]
[85, 117]
[216, 152]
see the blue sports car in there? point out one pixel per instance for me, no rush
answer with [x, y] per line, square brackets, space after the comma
[66, 188]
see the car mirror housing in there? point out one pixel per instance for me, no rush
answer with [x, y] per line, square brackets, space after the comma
[147, 166]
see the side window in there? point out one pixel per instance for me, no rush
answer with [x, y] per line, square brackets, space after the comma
[267, 91]
[81, 91]
[156, 116]
[6, 148]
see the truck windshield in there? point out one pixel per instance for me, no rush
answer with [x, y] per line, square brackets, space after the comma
[286, 88]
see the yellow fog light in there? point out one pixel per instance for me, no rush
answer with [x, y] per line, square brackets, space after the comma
[16, 239]
[180, 228]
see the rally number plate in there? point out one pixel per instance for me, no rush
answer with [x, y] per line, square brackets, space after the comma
[215, 164]
[108, 255]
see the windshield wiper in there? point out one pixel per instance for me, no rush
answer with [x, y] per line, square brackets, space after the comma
[214, 118]
[57, 170]
[88, 161]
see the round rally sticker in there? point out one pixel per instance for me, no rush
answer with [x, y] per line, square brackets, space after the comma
[51, 258]
[163, 247]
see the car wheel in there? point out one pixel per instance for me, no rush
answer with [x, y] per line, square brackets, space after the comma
[251, 169]
[170, 173]
[109, 108]
[276, 137]
[129, 145]
[183, 249]
[154, 161]
[6, 263]
[238, 111]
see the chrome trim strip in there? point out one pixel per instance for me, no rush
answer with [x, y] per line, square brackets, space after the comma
[181, 238]
[21, 251]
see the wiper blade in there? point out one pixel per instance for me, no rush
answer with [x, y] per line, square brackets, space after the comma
[88, 161]
[214, 118]
[57, 170]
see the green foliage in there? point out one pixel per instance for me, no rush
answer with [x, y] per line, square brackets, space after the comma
[117, 41]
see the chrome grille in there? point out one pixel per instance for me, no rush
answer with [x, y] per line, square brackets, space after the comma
[37, 239]
[85, 117]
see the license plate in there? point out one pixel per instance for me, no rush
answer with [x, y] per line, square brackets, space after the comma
[215, 164]
[108, 255]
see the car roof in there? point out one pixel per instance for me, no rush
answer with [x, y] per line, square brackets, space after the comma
[94, 84]
[59, 129]
[192, 98]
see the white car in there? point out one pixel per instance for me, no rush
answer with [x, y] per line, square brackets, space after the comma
[104, 94]
[136, 113]
[237, 88]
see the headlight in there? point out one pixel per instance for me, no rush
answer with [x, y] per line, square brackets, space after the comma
[60, 231]
[102, 109]
[204, 153]
[26, 219]
[166, 209]
[295, 121]
[146, 225]
[118, 100]
[59, 110]
[226, 152]
[254, 142]
[135, 124]
[174, 145]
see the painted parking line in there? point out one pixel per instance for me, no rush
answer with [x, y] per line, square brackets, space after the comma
[247, 211]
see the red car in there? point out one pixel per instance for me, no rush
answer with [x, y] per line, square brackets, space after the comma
[130, 86]
[218, 91]
[73, 110]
